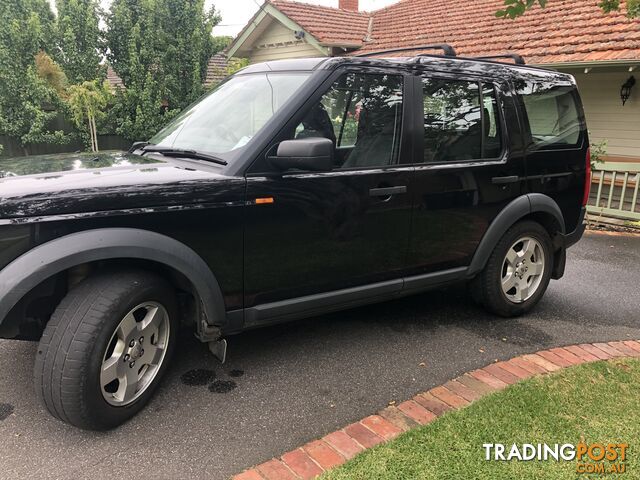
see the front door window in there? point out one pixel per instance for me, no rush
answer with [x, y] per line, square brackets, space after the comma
[361, 114]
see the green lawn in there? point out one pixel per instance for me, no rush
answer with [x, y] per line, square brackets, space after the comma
[597, 402]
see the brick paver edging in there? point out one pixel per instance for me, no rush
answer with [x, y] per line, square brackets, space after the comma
[336, 448]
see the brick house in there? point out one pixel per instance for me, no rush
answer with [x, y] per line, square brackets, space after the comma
[601, 50]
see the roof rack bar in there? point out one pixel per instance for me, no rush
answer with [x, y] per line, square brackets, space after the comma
[448, 50]
[518, 59]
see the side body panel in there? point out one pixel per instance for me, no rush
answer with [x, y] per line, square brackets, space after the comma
[323, 232]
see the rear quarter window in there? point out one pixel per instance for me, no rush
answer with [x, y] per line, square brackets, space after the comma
[552, 114]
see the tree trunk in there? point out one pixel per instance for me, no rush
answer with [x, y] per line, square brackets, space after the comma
[95, 133]
[90, 123]
[91, 136]
[90, 132]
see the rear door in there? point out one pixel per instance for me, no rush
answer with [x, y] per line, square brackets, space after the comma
[324, 231]
[468, 168]
[556, 142]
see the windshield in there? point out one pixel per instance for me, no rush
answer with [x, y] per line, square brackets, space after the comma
[225, 120]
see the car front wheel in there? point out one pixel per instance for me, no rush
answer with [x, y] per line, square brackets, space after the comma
[106, 347]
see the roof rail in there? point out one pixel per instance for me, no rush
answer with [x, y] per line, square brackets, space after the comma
[448, 50]
[517, 59]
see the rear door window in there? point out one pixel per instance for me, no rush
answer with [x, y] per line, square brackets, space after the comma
[552, 114]
[461, 121]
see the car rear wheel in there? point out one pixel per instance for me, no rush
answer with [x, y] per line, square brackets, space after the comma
[518, 271]
[105, 348]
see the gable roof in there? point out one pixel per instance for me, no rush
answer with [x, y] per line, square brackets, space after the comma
[330, 26]
[566, 31]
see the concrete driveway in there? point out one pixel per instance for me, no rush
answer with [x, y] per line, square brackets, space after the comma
[286, 385]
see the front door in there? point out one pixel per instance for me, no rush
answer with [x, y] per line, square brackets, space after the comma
[313, 232]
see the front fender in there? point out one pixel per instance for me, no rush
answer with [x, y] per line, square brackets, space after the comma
[48, 259]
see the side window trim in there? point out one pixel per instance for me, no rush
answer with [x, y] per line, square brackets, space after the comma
[504, 138]
[482, 83]
[344, 119]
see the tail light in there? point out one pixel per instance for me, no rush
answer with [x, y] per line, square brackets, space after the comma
[587, 178]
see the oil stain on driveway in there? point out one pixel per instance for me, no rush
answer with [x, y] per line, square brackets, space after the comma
[289, 384]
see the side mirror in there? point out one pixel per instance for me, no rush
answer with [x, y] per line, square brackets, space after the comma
[310, 154]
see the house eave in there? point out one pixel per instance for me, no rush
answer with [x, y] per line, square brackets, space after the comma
[267, 9]
[590, 64]
[342, 45]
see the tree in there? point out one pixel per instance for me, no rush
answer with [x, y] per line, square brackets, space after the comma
[515, 8]
[79, 39]
[120, 20]
[236, 64]
[186, 47]
[220, 42]
[160, 49]
[87, 102]
[51, 73]
[140, 109]
[28, 103]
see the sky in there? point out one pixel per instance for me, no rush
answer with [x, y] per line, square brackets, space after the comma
[236, 13]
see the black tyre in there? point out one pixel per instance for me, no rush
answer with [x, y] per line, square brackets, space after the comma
[518, 271]
[105, 348]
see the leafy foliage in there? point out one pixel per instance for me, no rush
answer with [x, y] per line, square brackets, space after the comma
[598, 151]
[221, 42]
[87, 102]
[160, 48]
[79, 39]
[51, 73]
[28, 102]
[515, 8]
[235, 64]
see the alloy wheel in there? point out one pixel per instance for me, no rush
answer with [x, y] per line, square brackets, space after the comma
[134, 354]
[522, 269]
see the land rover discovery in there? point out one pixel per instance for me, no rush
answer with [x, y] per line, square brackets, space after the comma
[294, 188]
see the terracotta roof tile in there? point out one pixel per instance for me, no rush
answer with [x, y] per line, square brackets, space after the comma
[216, 69]
[327, 25]
[565, 31]
[113, 78]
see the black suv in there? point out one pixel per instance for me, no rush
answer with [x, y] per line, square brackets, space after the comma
[294, 188]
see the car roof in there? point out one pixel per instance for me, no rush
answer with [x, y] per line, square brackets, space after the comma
[438, 63]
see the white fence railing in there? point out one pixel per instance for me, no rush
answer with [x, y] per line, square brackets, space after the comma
[614, 190]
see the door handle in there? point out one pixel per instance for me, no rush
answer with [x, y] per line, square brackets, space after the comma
[504, 180]
[387, 191]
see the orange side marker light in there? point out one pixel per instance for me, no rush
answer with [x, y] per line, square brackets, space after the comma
[264, 200]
